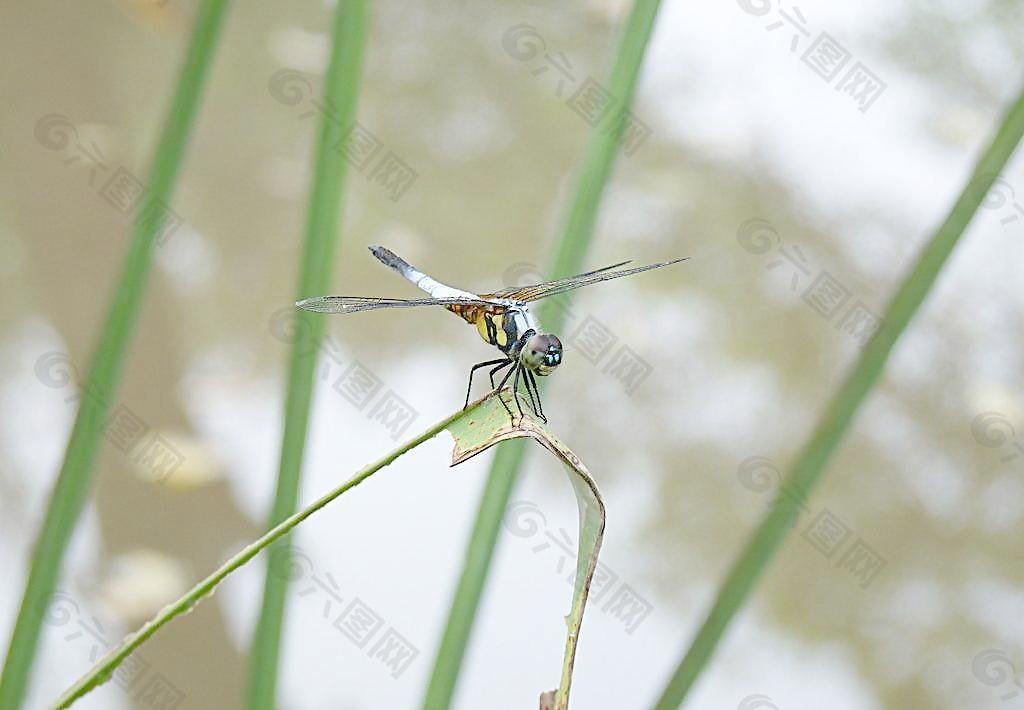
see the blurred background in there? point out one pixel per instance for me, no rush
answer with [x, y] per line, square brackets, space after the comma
[799, 154]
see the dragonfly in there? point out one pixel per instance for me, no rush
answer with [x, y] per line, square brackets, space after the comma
[503, 319]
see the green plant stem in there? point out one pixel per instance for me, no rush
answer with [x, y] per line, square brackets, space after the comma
[599, 157]
[73, 482]
[810, 464]
[102, 671]
[341, 90]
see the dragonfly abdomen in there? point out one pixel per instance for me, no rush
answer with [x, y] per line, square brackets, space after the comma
[429, 284]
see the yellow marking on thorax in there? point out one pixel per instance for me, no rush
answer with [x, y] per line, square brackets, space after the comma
[500, 336]
[481, 327]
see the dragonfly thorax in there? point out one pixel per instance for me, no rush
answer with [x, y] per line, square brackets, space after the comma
[514, 332]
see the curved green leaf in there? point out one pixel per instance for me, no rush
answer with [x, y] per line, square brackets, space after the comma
[475, 429]
[475, 434]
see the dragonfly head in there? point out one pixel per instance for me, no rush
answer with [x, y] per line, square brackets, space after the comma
[542, 353]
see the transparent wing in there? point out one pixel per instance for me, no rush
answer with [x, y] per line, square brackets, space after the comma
[553, 288]
[354, 304]
[504, 293]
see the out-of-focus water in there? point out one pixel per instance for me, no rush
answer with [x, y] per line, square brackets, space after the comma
[771, 155]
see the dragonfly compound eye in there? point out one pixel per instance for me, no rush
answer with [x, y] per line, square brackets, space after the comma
[543, 353]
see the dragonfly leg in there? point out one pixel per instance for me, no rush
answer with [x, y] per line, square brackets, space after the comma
[502, 384]
[502, 366]
[515, 393]
[529, 390]
[469, 387]
[539, 409]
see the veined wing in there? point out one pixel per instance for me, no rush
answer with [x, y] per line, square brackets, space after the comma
[553, 288]
[354, 304]
[512, 291]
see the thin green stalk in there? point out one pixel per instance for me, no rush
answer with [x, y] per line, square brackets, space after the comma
[810, 464]
[341, 85]
[598, 159]
[73, 483]
[104, 669]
